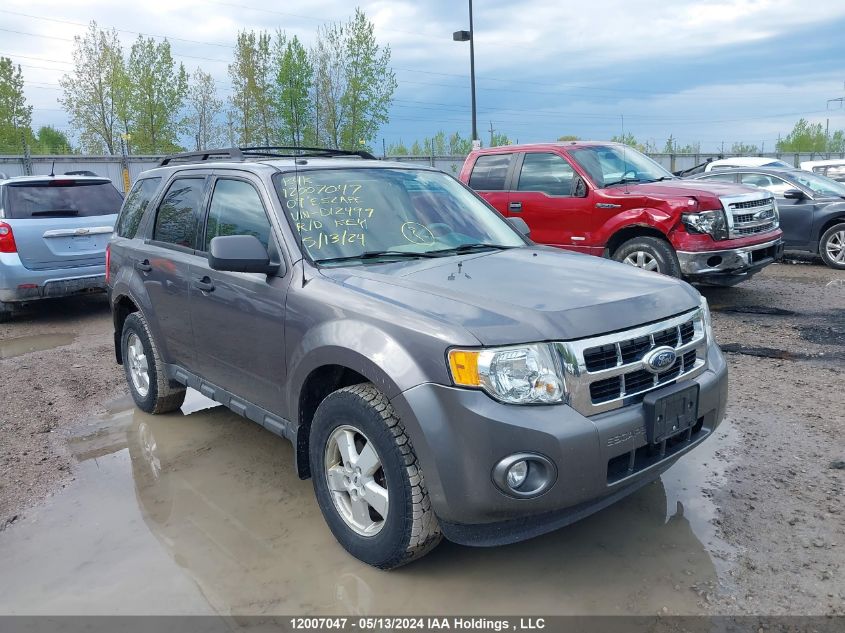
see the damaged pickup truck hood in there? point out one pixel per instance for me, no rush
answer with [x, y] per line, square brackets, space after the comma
[523, 294]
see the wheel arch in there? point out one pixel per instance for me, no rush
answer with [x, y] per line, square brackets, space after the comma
[629, 232]
[122, 307]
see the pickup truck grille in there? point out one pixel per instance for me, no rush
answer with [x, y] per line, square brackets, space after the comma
[608, 372]
[750, 215]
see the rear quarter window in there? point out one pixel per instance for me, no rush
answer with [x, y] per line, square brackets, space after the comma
[60, 199]
[134, 207]
[490, 172]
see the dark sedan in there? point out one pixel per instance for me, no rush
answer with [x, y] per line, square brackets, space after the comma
[811, 207]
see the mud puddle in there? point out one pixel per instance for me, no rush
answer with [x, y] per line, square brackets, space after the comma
[20, 345]
[201, 512]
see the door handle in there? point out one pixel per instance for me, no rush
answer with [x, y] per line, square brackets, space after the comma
[143, 266]
[205, 284]
[516, 207]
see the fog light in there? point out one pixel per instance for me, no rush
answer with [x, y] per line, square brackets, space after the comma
[517, 474]
[524, 475]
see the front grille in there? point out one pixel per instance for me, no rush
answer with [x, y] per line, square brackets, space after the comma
[750, 217]
[607, 372]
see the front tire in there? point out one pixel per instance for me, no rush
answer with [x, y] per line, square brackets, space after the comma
[832, 246]
[367, 481]
[649, 253]
[145, 371]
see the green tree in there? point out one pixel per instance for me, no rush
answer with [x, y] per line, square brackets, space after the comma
[294, 78]
[49, 140]
[417, 149]
[252, 96]
[744, 148]
[631, 141]
[500, 139]
[569, 137]
[837, 141]
[436, 145]
[95, 93]
[204, 111]
[458, 145]
[15, 114]
[804, 137]
[397, 149]
[157, 95]
[354, 84]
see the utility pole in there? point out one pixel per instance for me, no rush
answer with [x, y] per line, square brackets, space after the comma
[492, 131]
[469, 36]
[383, 148]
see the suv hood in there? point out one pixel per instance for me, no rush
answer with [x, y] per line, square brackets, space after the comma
[708, 193]
[523, 294]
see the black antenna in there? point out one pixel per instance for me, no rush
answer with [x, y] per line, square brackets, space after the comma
[53, 169]
[624, 156]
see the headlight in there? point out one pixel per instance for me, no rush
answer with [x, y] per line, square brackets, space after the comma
[705, 316]
[777, 213]
[712, 223]
[524, 374]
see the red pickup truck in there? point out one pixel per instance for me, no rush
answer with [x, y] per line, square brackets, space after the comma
[610, 200]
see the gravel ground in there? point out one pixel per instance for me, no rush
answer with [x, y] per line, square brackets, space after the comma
[779, 502]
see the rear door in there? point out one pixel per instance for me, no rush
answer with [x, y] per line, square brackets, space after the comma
[61, 222]
[164, 264]
[239, 318]
[542, 195]
[490, 177]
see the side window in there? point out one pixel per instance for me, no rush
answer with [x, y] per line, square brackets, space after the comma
[176, 220]
[548, 173]
[236, 209]
[134, 206]
[490, 172]
[771, 183]
[723, 177]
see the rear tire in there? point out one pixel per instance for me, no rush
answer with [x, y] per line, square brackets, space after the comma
[832, 246]
[359, 452]
[145, 371]
[649, 253]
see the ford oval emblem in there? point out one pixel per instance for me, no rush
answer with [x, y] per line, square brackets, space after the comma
[660, 359]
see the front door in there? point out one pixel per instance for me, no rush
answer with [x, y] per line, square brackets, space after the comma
[489, 179]
[542, 195]
[239, 318]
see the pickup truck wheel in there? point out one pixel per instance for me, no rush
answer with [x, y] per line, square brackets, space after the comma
[649, 253]
[145, 371]
[832, 246]
[368, 483]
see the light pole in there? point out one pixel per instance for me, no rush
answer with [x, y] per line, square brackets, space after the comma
[467, 36]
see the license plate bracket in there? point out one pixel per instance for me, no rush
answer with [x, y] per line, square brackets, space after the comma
[671, 411]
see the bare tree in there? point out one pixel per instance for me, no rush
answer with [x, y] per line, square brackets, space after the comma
[205, 109]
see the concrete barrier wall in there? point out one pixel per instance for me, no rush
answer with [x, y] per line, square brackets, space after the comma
[110, 166]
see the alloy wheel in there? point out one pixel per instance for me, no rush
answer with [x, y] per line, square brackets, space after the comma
[835, 247]
[356, 480]
[642, 259]
[139, 370]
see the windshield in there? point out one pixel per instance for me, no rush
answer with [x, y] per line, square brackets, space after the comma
[820, 185]
[352, 213]
[614, 164]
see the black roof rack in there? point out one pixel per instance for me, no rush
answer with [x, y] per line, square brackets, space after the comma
[269, 151]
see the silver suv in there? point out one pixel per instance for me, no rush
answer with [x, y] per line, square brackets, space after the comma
[437, 373]
[53, 236]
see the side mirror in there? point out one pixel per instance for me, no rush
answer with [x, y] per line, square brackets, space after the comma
[520, 225]
[579, 190]
[794, 194]
[239, 254]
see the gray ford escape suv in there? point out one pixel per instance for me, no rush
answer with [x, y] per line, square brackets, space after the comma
[437, 373]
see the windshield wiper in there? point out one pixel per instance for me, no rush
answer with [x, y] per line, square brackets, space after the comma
[374, 255]
[622, 182]
[468, 248]
[55, 212]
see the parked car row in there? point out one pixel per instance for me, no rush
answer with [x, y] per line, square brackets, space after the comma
[438, 373]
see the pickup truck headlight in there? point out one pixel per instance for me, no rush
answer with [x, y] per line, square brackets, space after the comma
[523, 374]
[712, 223]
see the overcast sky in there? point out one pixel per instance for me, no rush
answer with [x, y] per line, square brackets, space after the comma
[703, 70]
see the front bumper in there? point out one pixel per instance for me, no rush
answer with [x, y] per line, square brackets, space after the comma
[459, 435]
[721, 265]
[19, 284]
